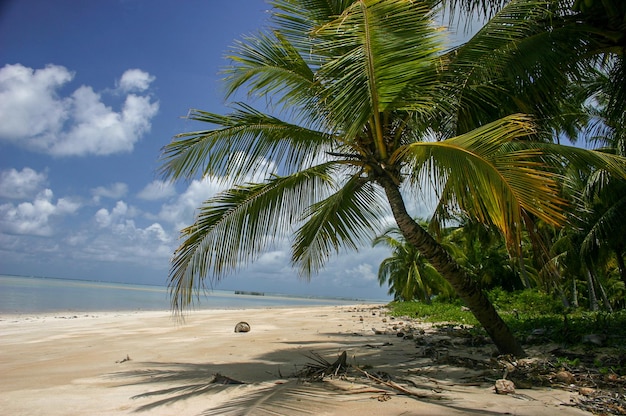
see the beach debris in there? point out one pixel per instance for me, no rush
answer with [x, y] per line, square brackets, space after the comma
[384, 344]
[600, 402]
[504, 386]
[220, 379]
[383, 397]
[123, 360]
[586, 391]
[242, 327]
[565, 377]
[321, 368]
[385, 380]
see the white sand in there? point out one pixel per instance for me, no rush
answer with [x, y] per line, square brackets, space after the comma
[71, 365]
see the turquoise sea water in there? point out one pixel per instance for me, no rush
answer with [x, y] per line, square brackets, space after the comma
[37, 295]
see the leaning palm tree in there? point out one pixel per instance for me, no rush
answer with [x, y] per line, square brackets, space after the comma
[358, 86]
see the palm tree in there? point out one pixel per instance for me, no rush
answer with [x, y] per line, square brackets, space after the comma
[587, 38]
[483, 252]
[359, 84]
[407, 272]
[562, 40]
[604, 194]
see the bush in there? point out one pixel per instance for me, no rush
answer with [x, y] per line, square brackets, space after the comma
[524, 312]
[528, 302]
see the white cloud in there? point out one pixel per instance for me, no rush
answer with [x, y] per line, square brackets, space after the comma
[156, 190]
[99, 130]
[181, 212]
[120, 239]
[29, 105]
[104, 218]
[357, 269]
[127, 243]
[134, 80]
[34, 116]
[113, 191]
[33, 218]
[362, 271]
[121, 211]
[21, 184]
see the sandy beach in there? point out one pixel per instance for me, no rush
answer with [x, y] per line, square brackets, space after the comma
[149, 363]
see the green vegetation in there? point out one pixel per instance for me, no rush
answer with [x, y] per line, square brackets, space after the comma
[369, 105]
[532, 315]
[435, 311]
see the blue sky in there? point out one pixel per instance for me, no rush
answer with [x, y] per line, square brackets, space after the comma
[89, 93]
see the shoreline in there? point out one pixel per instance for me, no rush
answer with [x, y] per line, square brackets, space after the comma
[74, 314]
[118, 363]
[23, 294]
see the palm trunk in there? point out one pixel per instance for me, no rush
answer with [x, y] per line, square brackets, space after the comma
[465, 287]
[593, 299]
[605, 299]
[621, 266]
[523, 272]
[564, 300]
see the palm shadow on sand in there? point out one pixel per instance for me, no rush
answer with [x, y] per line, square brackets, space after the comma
[273, 384]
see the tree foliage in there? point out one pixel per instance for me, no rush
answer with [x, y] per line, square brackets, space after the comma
[368, 106]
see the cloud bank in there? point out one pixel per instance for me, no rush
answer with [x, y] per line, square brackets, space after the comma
[22, 184]
[34, 114]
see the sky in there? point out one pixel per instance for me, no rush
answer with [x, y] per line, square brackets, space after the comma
[90, 91]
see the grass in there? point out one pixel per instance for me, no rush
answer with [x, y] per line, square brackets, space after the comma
[532, 316]
[434, 312]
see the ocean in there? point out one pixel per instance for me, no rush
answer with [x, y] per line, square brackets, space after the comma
[21, 295]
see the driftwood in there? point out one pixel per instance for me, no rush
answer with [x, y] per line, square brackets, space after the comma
[322, 368]
[394, 386]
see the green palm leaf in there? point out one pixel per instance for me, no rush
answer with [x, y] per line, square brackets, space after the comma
[271, 66]
[522, 61]
[234, 227]
[298, 20]
[346, 219]
[236, 146]
[369, 69]
[604, 229]
[498, 181]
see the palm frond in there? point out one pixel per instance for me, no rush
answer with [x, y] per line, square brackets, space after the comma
[521, 61]
[584, 160]
[234, 227]
[347, 218]
[236, 146]
[604, 229]
[470, 8]
[271, 66]
[377, 55]
[499, 181]
[298, 19]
